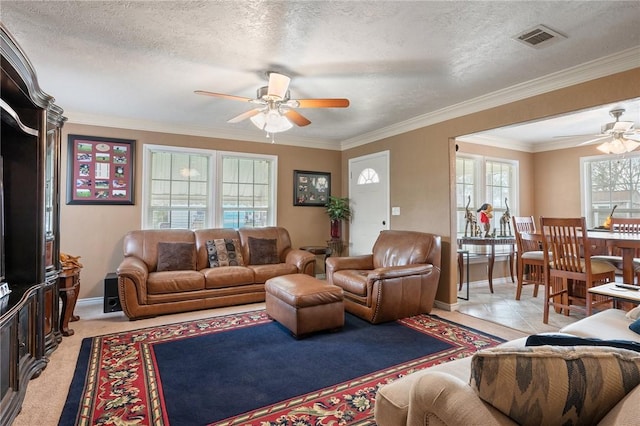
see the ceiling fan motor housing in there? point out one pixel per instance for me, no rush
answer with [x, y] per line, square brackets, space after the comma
[263, 93]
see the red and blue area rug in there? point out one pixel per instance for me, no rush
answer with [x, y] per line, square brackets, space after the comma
[247, 369]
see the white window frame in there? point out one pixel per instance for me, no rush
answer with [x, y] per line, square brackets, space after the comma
[273, 178]
[480, 192]
[214, 216]
[594, 218]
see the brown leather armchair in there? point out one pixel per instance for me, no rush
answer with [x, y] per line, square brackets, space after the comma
[399, 279]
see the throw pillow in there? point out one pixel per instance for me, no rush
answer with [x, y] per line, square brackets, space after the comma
[554, 384]
[569, 340]
[224, 252]
[176, 257]
[263, 251]
[635, 326]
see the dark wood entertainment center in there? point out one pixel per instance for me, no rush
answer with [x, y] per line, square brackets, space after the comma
[30, 141]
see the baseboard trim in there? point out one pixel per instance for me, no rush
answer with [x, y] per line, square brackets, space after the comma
[90, 301]
[451, 307]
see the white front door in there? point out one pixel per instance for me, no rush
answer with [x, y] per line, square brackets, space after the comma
[369, 197]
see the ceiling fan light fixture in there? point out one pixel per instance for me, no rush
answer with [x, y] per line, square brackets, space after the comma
[271, 122]
[618, 145]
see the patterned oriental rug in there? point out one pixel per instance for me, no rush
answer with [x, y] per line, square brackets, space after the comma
[247, 369]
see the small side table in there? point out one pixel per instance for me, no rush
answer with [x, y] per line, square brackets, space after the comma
[319, 251]
[69, 288]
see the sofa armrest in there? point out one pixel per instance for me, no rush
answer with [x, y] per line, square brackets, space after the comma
[303, 260]
[399, 271]
[135, 269]
[624, 412]
[440, 398]
[363, 262]
[335, 264]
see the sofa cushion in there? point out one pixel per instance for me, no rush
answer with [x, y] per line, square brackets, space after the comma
[228, 276]
[635, 326]
[263, 251]
[633, 314]
[171, 282]
[552, 384]
[224, 252]
[569, 340]
[610, 323]
[176, 257]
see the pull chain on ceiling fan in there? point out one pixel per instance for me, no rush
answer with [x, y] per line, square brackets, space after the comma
[276, 112]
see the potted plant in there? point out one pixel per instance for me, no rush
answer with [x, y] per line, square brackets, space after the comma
[338, 210]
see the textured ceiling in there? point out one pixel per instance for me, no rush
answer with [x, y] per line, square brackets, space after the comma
[136, 64]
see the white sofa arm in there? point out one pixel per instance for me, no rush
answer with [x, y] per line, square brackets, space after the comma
[442, 399]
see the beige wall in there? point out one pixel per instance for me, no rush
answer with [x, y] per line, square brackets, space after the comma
[557, 190]
[422, 167]
[96, 232]
[422, 163]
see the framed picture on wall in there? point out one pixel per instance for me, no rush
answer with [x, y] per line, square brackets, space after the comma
[311, 188]
[100, 170]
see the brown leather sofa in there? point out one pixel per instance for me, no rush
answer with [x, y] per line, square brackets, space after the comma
[399, 279]
[187, 282]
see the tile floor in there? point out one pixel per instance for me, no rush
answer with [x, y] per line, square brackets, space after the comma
[502, 307]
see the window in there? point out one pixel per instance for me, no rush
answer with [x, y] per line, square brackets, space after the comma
[481, 180]
[247, 191]
[181, 184]
[368, 176]
[610, 181]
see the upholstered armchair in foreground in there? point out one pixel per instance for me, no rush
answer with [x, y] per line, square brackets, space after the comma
[399, 279]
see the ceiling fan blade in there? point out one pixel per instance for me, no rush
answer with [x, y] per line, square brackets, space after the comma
[322, 103]
[222, 95]
[297, 118]
[245, 115]
[278, 85]
[590, 141]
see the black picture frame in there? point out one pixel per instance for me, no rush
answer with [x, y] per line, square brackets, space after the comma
[100, 170]
[311, 189]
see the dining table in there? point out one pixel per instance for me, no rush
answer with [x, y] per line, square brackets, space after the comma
[626, 242]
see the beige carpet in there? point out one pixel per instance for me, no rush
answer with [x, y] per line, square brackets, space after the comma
[46, 394]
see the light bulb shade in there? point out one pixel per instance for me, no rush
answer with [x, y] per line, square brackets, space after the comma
[271, 122]
[618, 146]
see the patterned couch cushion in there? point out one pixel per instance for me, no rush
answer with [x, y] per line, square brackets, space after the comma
[224, 252]
[554, 385]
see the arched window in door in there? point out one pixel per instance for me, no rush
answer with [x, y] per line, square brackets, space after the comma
[368, 176]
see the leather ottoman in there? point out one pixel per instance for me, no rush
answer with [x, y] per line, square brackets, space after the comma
[304, 304]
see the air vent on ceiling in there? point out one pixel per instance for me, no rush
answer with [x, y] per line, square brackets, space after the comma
[539, 36]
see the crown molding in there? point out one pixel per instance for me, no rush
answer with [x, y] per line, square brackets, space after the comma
[612, 64]
[618, 62]
[75, 117]
[496, 142]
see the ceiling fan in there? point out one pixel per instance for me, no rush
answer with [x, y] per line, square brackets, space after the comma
[276, 110]
[621, 135]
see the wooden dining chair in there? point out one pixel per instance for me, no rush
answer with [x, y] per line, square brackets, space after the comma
[623, 225]
[569, 269]
[530, 259]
